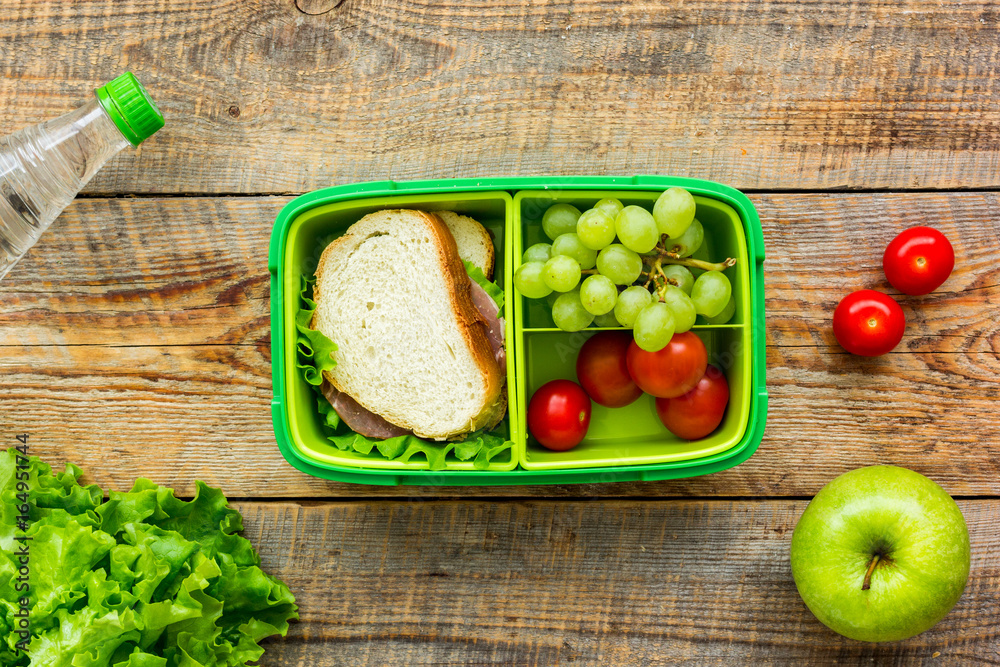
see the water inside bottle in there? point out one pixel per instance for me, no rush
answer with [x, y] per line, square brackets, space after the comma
[43, 167]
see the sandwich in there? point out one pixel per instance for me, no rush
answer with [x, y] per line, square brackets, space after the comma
[420, 342]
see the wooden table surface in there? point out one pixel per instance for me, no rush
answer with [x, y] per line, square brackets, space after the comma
[135, 335]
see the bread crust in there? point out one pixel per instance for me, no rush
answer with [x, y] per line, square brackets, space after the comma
[471, 324]
[486, 239]
[491, 261]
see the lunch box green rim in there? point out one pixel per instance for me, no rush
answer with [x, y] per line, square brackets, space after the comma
[507, 474]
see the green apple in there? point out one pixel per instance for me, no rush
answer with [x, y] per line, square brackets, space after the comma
[881, 554]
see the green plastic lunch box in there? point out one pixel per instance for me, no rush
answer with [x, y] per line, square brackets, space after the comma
[622, 444]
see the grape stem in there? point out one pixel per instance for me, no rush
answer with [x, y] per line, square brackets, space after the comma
[671, 258]
[658, 278]
[654, 274]
[661, 256]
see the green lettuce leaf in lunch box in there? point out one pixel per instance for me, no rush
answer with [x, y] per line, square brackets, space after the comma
[480, 446]
[314, 357]
[142, 579]
[315, 351]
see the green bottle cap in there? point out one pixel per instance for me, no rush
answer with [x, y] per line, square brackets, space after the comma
[130, 107]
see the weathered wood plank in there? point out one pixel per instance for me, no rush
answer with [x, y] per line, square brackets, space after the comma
[154, 347]
[199, 266]
[177, 271]
[553, 583]
[820, 248]
[175, 414]
[285, 96]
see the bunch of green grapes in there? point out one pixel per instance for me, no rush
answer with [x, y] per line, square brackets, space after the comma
[622, 266]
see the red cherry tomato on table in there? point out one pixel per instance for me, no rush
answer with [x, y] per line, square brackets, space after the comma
[918, 260]
[559, 415]
[602, 370]
[669, 372]
[698, 412]
[868, 323]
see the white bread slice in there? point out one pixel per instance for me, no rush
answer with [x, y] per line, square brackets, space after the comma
[474, 243]
[393, 295]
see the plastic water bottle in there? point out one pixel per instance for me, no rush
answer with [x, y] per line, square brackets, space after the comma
[43, 167]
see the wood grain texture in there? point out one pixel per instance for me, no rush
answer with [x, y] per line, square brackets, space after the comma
[134, 339]
[133, 272]
[265, 96]
[625, 583]
[153, 346]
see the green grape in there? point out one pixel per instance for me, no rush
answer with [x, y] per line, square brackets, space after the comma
[598, 294]
[607, 320]
[561, 273]
[528, 280]
[560, 219]
[654, 327]
[688, 242]
[711, 293]
[620, 264]
[630, 302]
[681, 275]
[636, 229]
[726, 314]
[674, 211]
[569, 314]
[610, 206]
[596, 229]
[570, 245]
[540, 252]
[681, 308]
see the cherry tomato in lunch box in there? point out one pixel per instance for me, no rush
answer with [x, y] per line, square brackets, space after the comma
[602, 369]
[559, 415]
[868, 323]
[671, 371]
[918, 260]
[697, 413]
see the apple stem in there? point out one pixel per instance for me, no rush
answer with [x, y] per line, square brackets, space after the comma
[868, 575]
